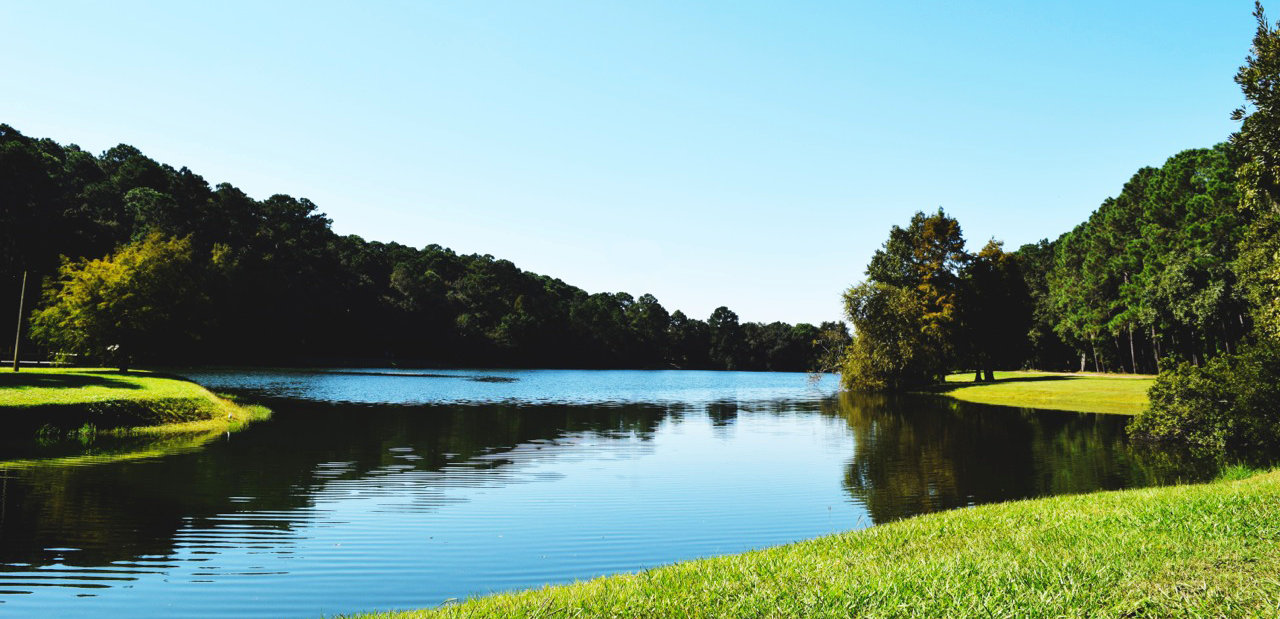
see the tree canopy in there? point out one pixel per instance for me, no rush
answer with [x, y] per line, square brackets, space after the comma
[904, 315]
[268, 282]
[145, 300]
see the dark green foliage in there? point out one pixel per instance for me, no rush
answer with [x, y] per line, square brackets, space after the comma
[1230, 405]
[1259, 175]
[1150, 274]
[1259, 135]
[269, 281]
[1155, 273]
[905, 316]
[726, 337]
[995, 312]
[889, 352]
[1044, 349]
[1181, 267]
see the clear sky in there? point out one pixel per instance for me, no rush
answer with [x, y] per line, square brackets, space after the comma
[740, 153]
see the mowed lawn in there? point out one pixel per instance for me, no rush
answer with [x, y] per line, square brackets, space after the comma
[33, 387]
[1124, 394]
[137, 401]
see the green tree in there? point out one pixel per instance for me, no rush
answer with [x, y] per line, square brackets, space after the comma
[904, 316]
[1259, 176]
[1045, 349]
[890, 351]
[995, 311]
[648, 322]
[690, 342]
[144, 302]
[726, 339]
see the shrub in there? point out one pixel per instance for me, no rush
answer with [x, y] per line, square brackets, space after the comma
[1231, 405]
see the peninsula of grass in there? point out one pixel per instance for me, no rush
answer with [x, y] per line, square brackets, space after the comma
[1123, 394]
[54, 401]
[1210, 550]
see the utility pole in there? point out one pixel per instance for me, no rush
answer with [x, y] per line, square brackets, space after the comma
[22, 297]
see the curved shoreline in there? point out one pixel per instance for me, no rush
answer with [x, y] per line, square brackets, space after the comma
[89, 416]
[1182, 550]
[1189, 550]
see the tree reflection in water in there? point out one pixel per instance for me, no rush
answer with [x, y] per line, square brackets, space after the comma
[123, 511]
[922, 454]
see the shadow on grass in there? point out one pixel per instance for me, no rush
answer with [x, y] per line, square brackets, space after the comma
[952, 386]
[63, 381]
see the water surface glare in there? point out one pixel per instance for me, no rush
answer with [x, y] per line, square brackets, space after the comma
[380, 490]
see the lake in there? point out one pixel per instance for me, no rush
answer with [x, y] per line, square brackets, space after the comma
[393, 489]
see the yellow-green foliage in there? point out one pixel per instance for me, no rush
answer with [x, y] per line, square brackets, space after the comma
[1086, 393]
[144, 299]
[1182, 551]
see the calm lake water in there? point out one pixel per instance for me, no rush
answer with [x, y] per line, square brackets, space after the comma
[385, 490]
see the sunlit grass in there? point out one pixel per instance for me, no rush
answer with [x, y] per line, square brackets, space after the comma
[1124, 394]
[107, 416]
[109, 399]
[43, 386]
[1208, 550]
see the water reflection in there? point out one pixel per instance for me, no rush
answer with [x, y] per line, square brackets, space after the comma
[332, 508]
[922, 454]
[280, 467]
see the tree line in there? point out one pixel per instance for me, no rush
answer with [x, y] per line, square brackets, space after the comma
[146, 263]
[1178, 274]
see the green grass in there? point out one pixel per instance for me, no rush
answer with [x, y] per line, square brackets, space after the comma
[44, 386]
[98, 415]
[1209, 550]
[1088, 393]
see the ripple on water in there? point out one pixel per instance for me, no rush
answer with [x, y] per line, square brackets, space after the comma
[333, 508]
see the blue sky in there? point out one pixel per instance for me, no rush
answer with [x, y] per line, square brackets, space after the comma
[748, 154]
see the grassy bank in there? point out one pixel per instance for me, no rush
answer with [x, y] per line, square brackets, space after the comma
[1089, 393]
[1210, 550]
[85, 415]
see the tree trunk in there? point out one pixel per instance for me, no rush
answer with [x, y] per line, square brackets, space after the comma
[17, 339]
[1120, 355]
[1094, 346]
[990, 375]
[1155, 345]
[1133, 353]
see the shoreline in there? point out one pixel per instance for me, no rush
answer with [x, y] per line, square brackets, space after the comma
[1175, 550]
[1115, 394]
[1182, 550]
[90, 415]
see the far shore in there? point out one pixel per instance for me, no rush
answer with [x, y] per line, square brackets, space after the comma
[1118, 394]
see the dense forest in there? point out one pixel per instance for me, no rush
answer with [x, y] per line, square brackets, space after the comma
[144, 263]
[1159, 272]
[1177, 274]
